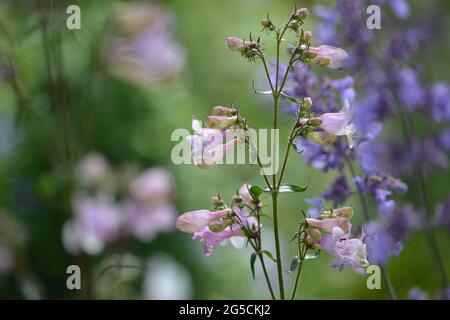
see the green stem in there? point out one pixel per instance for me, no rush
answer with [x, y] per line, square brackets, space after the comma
[257, 249]
[299, 271]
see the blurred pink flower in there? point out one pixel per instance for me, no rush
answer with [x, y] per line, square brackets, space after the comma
[6, 260]
[142, 49]
[146, 222]
[93, 169]
[153, 185]
[97, 221]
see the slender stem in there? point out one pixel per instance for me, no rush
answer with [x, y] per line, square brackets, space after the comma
[263, 265]
[264, 175]
[260, 253]
[266, 69]
[299, 271]
[286, 155]
[387, 280]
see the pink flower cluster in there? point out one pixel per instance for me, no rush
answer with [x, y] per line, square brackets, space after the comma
[223, 225]
[222, 133]
[143, 208]
[331, 232]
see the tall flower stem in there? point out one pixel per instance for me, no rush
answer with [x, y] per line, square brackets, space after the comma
[387, 279]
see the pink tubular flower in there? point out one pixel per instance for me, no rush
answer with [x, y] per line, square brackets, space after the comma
[207, 145]
[195, 221]
[338, 123]
[212, 239]
[244, 193]
[329, 56]
[346, 251]
[327, 225]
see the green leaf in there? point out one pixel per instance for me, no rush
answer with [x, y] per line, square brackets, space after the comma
[255, 191]
[252, 264]
[294, 237]
[294, 264]
[290, 98]
[291, 188]
[268, 254]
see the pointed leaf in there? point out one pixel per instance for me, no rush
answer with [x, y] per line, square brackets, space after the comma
[291, 188]
[255, 191]
[252, 264]
[268, 254]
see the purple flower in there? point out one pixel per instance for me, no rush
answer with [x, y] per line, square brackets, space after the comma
[385, 237]
[427, 153]
[410, 91]
[322, 157]
[383, 156]
[380, 187]
[417, 294]
[442, 214]
[438, 102]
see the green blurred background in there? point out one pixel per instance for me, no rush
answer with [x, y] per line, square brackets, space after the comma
[133, 123]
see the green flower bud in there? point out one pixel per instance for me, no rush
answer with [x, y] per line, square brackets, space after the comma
[307, 35]
[321, 137]
[224, 111]
[220, 122]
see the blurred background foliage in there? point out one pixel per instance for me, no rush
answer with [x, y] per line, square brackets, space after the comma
[43, 136]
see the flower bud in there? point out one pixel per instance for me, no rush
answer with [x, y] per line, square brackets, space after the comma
[216, 201]
[314, 233]
[266, 23]
[321, 137]
[220, 122]
[307, 35]
[301, 49]
[220, 225]
[308, 102]
[236, 44]
[224, 111]
[301, 13]
[344, 212]
[315, 122]
[328, 56]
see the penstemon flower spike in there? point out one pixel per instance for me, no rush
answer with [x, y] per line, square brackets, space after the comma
[241, 221]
